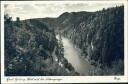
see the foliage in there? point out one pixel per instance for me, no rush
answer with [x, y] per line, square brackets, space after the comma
[33, 45]
[99, 35]
[29, 50]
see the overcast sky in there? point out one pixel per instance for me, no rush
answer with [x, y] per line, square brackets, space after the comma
[26, 11]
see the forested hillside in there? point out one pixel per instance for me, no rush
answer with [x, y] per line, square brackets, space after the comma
[99, 35]
[31, 49]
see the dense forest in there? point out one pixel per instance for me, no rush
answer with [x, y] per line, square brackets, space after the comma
[99, 35]
[31, 47]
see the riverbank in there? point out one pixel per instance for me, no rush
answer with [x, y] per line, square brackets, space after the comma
[72, 54]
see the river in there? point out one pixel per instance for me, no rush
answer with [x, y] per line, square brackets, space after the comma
[72, 54]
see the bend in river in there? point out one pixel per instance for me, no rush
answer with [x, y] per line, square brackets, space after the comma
[72, 54]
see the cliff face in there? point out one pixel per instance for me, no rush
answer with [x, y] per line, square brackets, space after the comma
[99, 35]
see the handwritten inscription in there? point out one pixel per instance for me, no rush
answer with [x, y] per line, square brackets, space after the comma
[32, 79]
[117, 78]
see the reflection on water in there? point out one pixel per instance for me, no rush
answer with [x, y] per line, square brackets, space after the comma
[72, 54]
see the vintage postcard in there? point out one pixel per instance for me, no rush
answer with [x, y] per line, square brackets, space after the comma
[64, 41]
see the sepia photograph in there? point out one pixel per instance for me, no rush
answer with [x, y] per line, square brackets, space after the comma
[70, 39]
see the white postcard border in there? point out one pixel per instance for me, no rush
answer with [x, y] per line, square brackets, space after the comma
[64, 79]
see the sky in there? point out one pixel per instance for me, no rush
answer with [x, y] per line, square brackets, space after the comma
[27, 11]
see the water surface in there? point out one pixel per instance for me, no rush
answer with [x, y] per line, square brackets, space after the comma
[72, 54]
